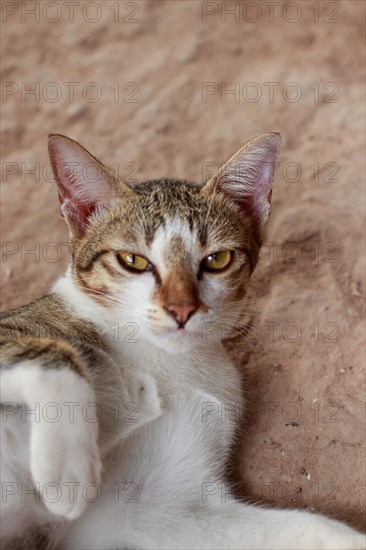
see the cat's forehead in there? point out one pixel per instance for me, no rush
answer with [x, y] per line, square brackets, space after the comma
[167, 198]
[176, 222]
[170, 222]
[180, 209]
[175, 243]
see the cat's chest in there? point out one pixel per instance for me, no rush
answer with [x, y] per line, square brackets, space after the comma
[140, 357]
[204, 370]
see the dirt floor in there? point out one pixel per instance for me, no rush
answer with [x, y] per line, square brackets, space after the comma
[173, 88]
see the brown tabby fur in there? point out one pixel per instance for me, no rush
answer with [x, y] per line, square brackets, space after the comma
[44, 329]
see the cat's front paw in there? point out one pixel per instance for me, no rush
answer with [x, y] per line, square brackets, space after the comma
[65, 459]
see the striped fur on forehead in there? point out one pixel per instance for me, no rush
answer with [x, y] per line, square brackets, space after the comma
[165, 199]
[176, 250]
[170, 222]
[213, 220]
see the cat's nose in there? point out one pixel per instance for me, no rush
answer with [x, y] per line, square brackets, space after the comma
[181, 312]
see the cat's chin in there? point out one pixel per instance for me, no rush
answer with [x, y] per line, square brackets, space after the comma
[176, 341]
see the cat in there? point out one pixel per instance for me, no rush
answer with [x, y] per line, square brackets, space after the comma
[113, 385]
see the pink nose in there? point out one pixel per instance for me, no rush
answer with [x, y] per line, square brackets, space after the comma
[181, 312]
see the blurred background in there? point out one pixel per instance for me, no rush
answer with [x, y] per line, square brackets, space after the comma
[173, 88]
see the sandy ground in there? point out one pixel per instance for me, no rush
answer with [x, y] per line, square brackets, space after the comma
[173, 88]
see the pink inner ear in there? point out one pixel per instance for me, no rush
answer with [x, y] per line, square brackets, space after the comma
[263, 186]
[77, 209]
[83, 182]
[72, 213]
[247, 178]
[249, 184]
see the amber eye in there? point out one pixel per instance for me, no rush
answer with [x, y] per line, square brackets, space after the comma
[133, 262]
[217, 261]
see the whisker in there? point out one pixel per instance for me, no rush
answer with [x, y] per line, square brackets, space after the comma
[101, 295]
[250, 314]
[248, 330]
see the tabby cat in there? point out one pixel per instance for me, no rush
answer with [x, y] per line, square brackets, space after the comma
[113, 385]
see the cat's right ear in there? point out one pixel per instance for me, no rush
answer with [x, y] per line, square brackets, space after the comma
[83, 182]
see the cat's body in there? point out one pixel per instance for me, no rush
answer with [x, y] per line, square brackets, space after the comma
[123, 362]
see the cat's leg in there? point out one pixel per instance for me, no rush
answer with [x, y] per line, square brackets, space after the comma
[176, 524]
[234, 525]
[163, 489]
[50, 382]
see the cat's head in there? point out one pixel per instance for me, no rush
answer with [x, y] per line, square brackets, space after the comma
[170, 256]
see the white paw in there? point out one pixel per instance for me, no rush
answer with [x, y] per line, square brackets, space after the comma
[65, 460]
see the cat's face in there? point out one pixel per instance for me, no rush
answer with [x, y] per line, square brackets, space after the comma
[170, 260]
[167, 259]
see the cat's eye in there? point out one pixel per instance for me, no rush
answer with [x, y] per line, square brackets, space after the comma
[217, 261]
[133, 262]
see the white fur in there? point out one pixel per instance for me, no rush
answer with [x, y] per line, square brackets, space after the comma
[164, 458]
[63, 444]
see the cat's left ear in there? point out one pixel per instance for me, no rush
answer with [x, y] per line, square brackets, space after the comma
[83, 182]
[247, 177]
